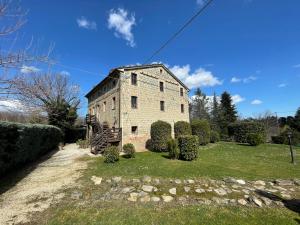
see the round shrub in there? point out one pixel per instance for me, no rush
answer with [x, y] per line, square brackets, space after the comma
[129, 150]
[182, 128]
[201, 128]
[240, 130]
[173, 149]
[188, 145]
[214, 136]
[160, 134]
[254, 139]
[111, 154]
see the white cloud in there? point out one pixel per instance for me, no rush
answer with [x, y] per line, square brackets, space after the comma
[282, 85]
[244, 80]
[65, 73]
[86, 24]
[198, 78]
[237, 99]
[122, 24]
[235, 80]
[11, 105]
[256, 102]
[29, 69]
[296, 66]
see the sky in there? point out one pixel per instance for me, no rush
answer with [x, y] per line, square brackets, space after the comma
[249, 48]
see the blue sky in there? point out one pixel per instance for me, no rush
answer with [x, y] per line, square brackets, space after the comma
[250, 48]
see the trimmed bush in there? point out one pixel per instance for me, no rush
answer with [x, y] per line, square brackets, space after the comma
[160, 134]
[188, 146]
[129, 150]
[173, 149]
[182, 128]
[254, 139]
[111, 154]
[83, 143]
[214, 136]
[201, 128]
[22, 143]
[240, 130]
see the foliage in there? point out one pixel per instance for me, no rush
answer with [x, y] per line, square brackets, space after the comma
[188, 146]
[173, 148]
[74, 133]
[111, 154]
[254, 139]
[214, 136]
[295, 138]
[277, 139]
[215, 116]
[201, 128]
[22, 143]
[82, 143]
[160, 134]
[199, 106]
[182, 128]
[240, 130]
[129, 150]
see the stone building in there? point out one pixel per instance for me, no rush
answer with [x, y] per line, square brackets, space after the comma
[133, 97]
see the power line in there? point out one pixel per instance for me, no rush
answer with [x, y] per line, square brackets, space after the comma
[206, 4]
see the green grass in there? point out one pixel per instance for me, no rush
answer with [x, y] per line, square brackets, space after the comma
[125, 213]
[215, 161]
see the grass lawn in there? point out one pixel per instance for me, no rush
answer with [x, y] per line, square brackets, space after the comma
[215, 161]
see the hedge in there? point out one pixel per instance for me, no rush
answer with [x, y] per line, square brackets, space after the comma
[182, 128]
[188, 146]
[74, 134]
[240, 130]
[160, 134]
[201, 128]
[22, 143]
[283, 138]
[254, 139]
[214, 136]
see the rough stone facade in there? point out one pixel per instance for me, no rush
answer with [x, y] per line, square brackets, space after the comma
[136, 122]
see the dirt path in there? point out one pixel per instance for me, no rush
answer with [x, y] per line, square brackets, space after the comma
[42, 186]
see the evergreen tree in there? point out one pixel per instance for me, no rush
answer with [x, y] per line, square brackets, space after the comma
[297, 120]
[228, 112]
[215, 114]
[199, 107]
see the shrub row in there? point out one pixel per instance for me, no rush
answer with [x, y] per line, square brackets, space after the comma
[241, 130]
[188, 145]
[201, 128]
[283, 138]
[22, 143]
[182, 128]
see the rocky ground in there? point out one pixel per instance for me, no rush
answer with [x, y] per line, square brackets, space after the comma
[192, 191]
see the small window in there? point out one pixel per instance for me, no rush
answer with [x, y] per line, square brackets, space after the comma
[160, 71]
[161, 86]
[182, 108]
[104, 106]
[133, 79]
[181, 91]
[134, 130]
[133, 102]
[162, 106]
[113, 103]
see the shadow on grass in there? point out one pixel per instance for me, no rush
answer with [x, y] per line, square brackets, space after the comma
[293, 204]
[127, 157]
[10, 179]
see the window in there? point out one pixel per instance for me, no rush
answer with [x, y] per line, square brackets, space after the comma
[182, 108]
[161, 86]
[113, 103]
[134, 102]
[162, 106]
[104, 106]
[134, 130]
[160, 71]
[133, 79]
[181, 91]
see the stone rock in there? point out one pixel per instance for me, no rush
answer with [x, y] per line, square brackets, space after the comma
[246, 196]
[256, 201]
[236, 186]
[260, 187]
[177, 181]
[259, 183]
[142, 194]
[246, 191]
[127, 190]
[96, 180]
[279, 203]
[155, 199]
[108, 181]
[167, 198]
[155, 189]
[190, 181]
[297, 182]
[272, 190]
[280, 188]
[116, 179]
[220, 191]
[186, 189]
[172, 191]
[76, 195]
[156, 181]
[136, 181]
[182, 199]
[146, 179]
[266, 201]
[285, 195]
[199, 190]
[281, 182]
[242, 201]
[147, 188]
[133, 197]
[146, 198]
[216, 200]
[232, 201]
[242, 182]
